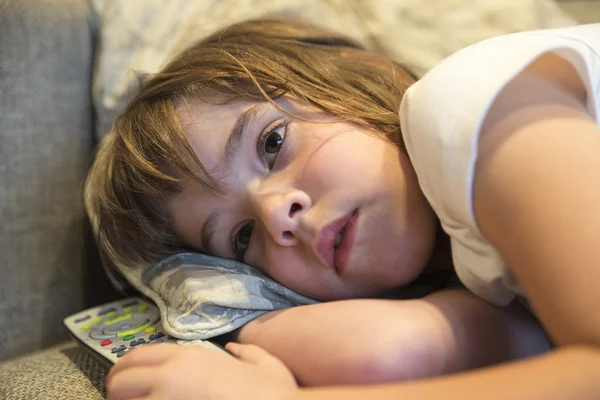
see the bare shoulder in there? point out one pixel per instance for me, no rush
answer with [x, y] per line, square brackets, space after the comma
[535, 197]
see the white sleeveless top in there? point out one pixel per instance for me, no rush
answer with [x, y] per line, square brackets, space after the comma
[441, 116]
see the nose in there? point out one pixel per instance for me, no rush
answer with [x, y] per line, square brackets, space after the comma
[280, 212]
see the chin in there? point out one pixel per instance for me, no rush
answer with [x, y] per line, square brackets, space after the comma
[399, 273]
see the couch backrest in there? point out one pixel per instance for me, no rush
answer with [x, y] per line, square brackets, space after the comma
[46, 142]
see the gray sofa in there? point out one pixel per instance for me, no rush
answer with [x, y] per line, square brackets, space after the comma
[48, 265]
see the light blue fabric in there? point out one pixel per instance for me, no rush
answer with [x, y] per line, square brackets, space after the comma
[201, 296]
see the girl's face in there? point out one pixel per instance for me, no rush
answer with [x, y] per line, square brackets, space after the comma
[326, 209]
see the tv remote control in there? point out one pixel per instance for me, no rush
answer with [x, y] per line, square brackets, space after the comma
[111, 330]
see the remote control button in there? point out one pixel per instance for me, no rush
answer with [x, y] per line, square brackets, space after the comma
[118, 319]
[143, 308]
[99, 334]
[106, 311]
[128, 337]
[105, 342]
[111, 314]
[117, 349]
[85, 326]
[133, 331]
[156, 335]
[96, 332]
[160, 340]
[78, 320]
[150, 330]
[124, 327]
[122, 353]
[137, 342]
[95, 320]
[127, 309]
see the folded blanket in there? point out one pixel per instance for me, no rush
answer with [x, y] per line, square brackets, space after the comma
[200, 297]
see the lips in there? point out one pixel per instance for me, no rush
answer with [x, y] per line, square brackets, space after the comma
[336, 256]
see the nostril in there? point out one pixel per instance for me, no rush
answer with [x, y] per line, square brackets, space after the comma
[295, 207]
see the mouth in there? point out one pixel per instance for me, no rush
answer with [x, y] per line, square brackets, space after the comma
[335, 240]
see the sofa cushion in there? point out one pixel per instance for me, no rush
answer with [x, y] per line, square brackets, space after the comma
[63, 372]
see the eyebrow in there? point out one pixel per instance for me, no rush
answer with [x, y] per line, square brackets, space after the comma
[232, 147]
[208, 232]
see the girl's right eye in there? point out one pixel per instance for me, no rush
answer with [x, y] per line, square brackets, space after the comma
[242, 239]
[271, 141]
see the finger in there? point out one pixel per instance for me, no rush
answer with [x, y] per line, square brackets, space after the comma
[250, 353]
[131, 383]
[146, 355]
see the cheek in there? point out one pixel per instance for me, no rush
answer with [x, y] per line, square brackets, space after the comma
[341, 158]
[292, 271]
[313, 281]
[287, 269]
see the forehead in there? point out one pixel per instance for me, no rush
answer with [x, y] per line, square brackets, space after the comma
[207, 126]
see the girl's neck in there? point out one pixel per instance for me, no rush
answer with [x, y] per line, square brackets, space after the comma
[438, 273]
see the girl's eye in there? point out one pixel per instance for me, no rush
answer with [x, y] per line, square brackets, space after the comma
[242, 239]
[271, 142]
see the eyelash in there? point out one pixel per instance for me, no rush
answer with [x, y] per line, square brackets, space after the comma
[262, 141]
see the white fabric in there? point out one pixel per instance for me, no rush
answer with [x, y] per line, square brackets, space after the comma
[441, 117]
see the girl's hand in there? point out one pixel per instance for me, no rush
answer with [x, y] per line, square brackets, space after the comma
[169, 371]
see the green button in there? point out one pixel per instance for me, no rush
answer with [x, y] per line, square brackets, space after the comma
[129, 337]
[111, 314]
[143, 308]
[127, 309]
[133, 331]
[85, 326]
[118, 319]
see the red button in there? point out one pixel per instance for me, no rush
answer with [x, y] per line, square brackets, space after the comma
[105, 342]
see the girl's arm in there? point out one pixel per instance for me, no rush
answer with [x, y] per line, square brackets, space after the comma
[567, 373]
[369, 341]
[537, 196]
[345, 342]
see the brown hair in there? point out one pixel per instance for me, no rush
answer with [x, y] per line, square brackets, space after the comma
[138, 163]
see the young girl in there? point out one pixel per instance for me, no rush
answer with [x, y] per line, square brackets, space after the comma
[264, 143]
